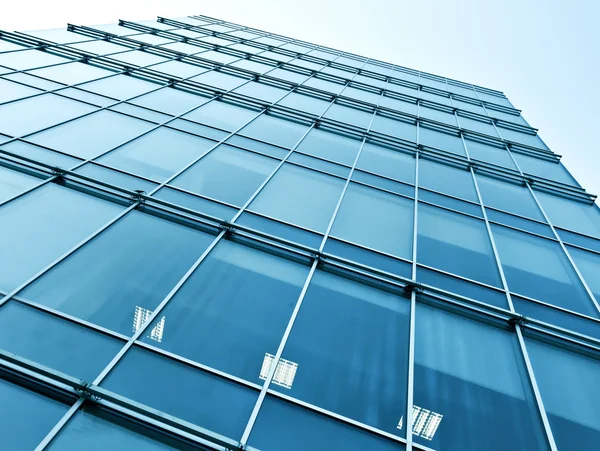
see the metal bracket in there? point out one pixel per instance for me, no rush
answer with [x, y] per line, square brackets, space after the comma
[139, 196]
[413, 286]
[229, 229]
[519, 320]
[84, 391]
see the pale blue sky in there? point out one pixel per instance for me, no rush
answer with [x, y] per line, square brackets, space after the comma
[543, 54]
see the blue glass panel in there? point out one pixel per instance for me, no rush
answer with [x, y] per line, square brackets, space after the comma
[28, 59]
[219, 80]
[121, 87]
[116, 178]
[376, 219]
[141, 374]
[274, 130]
[388, 162]
[222, 115]
[522, 138]
[588, 264]
[281, 230]
[54, 342]
[478, 126]
[568, 383]
[38, 228]
[450, 202]
[14, 182]
[305, 103]
[457, 244]
[471, 387]
[178, 68]
[300, 196]
[349, 115]
[508, 197]
[444, 141]
[128, 270]
[331, 146]
[299, 429]
[72, 73]
[570, 214]
[360, 369]
[539, 268]
[12, 91]
[26, 116]
[399, 105]
[196, 203]
[520, 223]
[261, 91]
[396, 128]
[26, 417]
[159, 154]
[489, 154]
[88, 430]
[383, 183]
[258, 146]
[319, 165]
[579, 240]
[444, 116]
[447, 179]
[544, 168]
[171, 101]
[232, 310]
[92, 135]
[228, 174]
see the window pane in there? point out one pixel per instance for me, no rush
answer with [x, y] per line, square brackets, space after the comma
[471, 387]
[588, 264]
[141, 374]
[446, 179]
[38, 228]
[120, 87]
[568, 383]
[219, 80]
[92, 135]
[544, 168]
[232, 310]
[158, 154]
[457, 244]
[14, 182]
[72, 73]
[305, 103]
[261, 91]
[228, 174]
[280, 422]
[444, 141]
[300, 196]
[489, 154]
[26, 416]
[27, 59]
[123, 273]
[570, 214]
[397, 128]
[12, 91]
[275, 130]
[376, 219]
[331, 146]
[350, 345]
[508, 197]
[523, 138]
[388, 162]
[349, 115]
[438, 115]
[28, 115]
[171, 101]
[539, 268]
[90, 431]
[54, 342]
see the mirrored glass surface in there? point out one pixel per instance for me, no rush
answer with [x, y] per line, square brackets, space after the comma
[14, 182]
[508, 197]
[387, 162]
[331, 146]
[570, 214]
[447, 179]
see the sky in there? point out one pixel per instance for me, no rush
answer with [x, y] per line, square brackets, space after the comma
[543, 54]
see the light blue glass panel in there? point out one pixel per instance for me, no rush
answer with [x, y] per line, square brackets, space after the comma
[544, 168]
[572, 215]
[457, 244]
[87, 431]
[171, 101]
[361, 366]
[324, 85]
[120, 87]
[26, 417]
[447, 179]
[508, 197]
[301, 429]
[444, 141]
[388, 162]
[568, 383]
[12, 91]
[219, 80]
[288, 75]
[331, 146]
[179, 69]
[123, 274]
[142, 373]
[305, 103]
[523, 138]
[274, 130]
[261, 91]
[138, 58]
[55, 342]
[233, 309]
[27, 59]
[40, 154]
[222, 115]
[92, 135]
[228, 174]
[396, 128]
[13, 183]
[38, 228]
[438, 115]
[300, 196]
[539, 268]
[471, 387]
[100, 47]
[588, 264]
[489, 154]
[158, 154]
[116, 178]
[349, 115]
[376, 219]
[253, 66]
[28, 115]
[478, 126]
[399, 105]
[72, 73]
[196, 203]
[360, 94]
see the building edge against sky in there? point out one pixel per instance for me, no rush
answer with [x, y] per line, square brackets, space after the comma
[219, 238]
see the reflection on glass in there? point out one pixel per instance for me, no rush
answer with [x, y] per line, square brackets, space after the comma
[140, 316]
[284, 373]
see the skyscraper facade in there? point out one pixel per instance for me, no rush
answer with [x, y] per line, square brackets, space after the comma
[213, 237]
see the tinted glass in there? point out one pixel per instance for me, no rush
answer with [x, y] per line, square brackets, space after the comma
[572, 215]
[544, 168]
[588, 264]
[123, 274]
[275, 131]
[13, 183]
[470, 387]
[232, 310]
[388, 162]
[172, 101]
[447, 179]
[508, 197]
[444, 141]
[397, 128]
[330, 146]
[489, 154]
[222, 115]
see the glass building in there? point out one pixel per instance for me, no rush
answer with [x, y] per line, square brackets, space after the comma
[213, 237]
